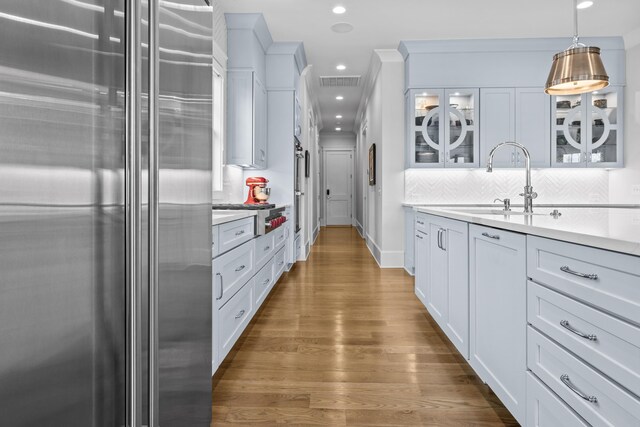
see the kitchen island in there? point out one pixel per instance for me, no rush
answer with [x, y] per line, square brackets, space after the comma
[545, 307]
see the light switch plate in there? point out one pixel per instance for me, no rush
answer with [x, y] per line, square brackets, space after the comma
[635, 190]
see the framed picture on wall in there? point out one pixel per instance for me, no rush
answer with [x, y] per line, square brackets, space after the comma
[307, 164]
[372, 164]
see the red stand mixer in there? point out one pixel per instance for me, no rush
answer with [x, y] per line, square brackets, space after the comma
[258, 191]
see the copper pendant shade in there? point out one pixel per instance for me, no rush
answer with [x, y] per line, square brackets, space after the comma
[578, 69]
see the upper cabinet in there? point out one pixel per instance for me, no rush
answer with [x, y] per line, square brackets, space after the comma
[587, 129]
[443, 128]
[247, 123]
[248, 41]
[456, 127]
[515, 114]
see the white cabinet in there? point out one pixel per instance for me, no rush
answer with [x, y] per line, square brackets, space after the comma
[587, 129]
[545, 409]
[421, 264]
[409, 240]
[497, 273]
[522, 115]
[442, 128]
[246, 120]
[441, 280]
[233, 317]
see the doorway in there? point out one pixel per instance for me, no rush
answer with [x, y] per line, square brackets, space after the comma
[338, 186]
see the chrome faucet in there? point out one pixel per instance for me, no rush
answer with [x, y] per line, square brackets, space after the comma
[528, 193]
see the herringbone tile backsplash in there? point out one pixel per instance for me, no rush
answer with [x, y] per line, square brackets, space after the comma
[478, 186]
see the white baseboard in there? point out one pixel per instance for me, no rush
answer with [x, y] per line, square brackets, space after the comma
[374, 249]
[315, 234]
[360, 229]
[411, 273]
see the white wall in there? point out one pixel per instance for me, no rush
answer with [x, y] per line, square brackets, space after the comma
[622, 180]
[384, 122]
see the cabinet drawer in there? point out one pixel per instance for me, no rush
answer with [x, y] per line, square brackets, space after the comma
[231, 271]
[279, 235]
[545, 409]
[264, 282]
[233, 317]
[613, 279]
[607, 343]
[422, 222]
[279, 263]
[234, 233]
[265, 249]
[569, 377]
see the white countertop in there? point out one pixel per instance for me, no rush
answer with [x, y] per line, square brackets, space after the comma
[221, 216]
[615, 229]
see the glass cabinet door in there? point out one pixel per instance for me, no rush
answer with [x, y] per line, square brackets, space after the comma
[427, 132]
[603, 127]
[568, 116]
[461, 133]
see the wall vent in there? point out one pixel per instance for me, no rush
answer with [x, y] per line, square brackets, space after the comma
[339, 81]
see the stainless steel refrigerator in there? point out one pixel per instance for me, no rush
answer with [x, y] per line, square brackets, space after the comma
[105, 213]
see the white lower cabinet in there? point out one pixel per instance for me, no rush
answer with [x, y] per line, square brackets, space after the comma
[243, 276]
[234, 317]
[442, 280]
[545, 409]
[594, 397]
[497, 273]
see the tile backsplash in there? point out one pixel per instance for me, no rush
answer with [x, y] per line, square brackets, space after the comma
[478, 186]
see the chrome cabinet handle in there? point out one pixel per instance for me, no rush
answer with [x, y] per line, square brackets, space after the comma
[281, 263]
[565, 324]
[566, 381]
[240, 314]
[420, 222]
[240, 268]
[221, 287]
[441, 239]
[491, 236]
[438, 240]
[267, 248]
[239, 233]
[266, 282]
[566, 269]
[419, 236]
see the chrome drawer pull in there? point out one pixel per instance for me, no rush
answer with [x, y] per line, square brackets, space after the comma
[239, 233]
[418, 236]
[566, 269]
[281, 263]
[221, 287]
[565, 324]
[266, 282]
[267, 248]
[420, 222]
[240, 268]
[239, 315]
[491, 236]
[566, 381]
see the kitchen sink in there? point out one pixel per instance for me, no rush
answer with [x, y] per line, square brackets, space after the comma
[495, 211]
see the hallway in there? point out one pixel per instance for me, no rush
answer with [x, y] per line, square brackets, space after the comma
[343, 342]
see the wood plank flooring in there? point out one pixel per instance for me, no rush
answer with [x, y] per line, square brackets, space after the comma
[341, 342]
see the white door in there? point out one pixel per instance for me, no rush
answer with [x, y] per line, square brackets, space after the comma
[338, 166]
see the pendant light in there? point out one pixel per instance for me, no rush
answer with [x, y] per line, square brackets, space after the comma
[578, 69]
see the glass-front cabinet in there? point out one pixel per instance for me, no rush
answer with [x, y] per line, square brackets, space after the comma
[587, 129]
[443, 128]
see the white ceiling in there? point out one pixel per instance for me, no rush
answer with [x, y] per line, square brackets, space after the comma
[381, 24]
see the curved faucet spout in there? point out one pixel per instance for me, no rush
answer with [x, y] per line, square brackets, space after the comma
[528, 193]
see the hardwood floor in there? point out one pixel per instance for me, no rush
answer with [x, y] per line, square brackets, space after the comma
[343, 342]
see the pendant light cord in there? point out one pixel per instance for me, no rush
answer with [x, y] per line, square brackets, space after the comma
[576, 43]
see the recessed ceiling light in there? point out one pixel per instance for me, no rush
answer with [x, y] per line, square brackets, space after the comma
[338, 116]
[342, 27]
[341, 67]
[339, 97]
[456, 94]
[584, 4]
[339, 10]
[424, 93]
[338, 129]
